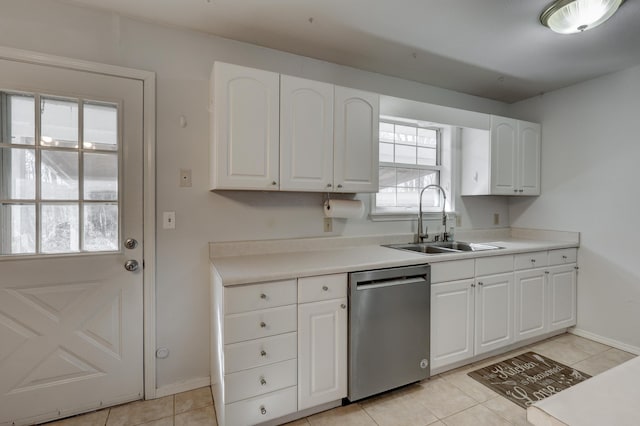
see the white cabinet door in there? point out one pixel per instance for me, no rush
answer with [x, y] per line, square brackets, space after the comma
[355, 166]
[493, 312]
[245, 152]
[322, 352]
[562, 297]
[531, 303]
[528, 158]
[452, 312]
[504, 147]
[306, 135]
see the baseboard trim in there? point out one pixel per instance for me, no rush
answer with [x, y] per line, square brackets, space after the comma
[174, 388]
[605, 340]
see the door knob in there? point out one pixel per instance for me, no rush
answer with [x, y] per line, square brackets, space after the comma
[131, 265]
[130, 243]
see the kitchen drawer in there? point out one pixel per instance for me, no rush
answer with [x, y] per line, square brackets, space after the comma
[537, 259]
[254, 353]
[324, 287]
[451, 271]
[252, 297]
[563, 256]
[258, 381]
[494, 265]
[258, 324]
[262, 408]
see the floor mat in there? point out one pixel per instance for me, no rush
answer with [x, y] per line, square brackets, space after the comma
[528, 378]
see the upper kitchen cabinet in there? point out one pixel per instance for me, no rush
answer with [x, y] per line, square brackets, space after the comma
[245, 151]
[277, 132]
[306, 135]
[502, 161]
[357, 115]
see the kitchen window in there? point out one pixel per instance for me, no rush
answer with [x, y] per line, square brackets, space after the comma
[412, 155]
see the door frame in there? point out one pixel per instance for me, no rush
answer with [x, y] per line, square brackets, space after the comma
[148, 80]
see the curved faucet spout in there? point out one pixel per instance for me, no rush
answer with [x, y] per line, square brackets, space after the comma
[422, 235]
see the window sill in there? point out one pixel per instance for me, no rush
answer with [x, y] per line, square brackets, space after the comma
[382, 216]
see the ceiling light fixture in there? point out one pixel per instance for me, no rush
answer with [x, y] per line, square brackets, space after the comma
[574, 16]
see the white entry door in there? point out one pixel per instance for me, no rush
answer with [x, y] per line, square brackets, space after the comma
[71, 218]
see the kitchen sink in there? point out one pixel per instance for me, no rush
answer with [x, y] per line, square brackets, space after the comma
[444, 247]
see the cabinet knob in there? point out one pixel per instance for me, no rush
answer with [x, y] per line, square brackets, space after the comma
[274, 183]
[263, 353]
[546, 272]
[576, 268]
[533, 261]
[263, 410]
[325, 288]
[262, 324]
[343, 306]
[515, 190]
[473, 285]
[521, 190]
[339, 185]
[480, 283]
[263, 296]
[329, 185]
[564, 257]
[263, 381]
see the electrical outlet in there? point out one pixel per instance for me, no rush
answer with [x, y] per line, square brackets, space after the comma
[458, 221]
[168, 220]
[328, 224]
[185, 178]
[496, 218]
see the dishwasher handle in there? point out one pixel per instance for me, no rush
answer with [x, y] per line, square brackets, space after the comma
[389, 283]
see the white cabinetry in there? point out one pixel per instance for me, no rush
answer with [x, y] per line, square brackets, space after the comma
[494, 312]
[355, 167]
[504, 161]
[322, 340]
[277, 132]
[245, 153]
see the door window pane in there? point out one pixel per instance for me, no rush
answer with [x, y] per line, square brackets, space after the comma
[17, 174]
[59, 123]
[17, 114]
[100, 177]
[18, 226]
[59, 175]
[60, 228]
[100, 227]
[100, 126]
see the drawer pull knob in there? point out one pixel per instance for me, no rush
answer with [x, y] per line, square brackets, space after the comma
[546, 272]
[325, 288]
[473, 285]
[564, 257]
[263, 353]
[533, 261]
[343, 306]
[263, 381]
[263, 410]
[263, 296]
[262, 324]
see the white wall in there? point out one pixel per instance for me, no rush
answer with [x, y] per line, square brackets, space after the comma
[590, 161]
[182, 61]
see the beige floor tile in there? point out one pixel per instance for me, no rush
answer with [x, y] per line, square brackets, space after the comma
[478, 415]
[471, 387]
[167, 421]
[96, 418]
[507, 410]
[603, 361]
[191, 400]
[300, 422]
[350, 415]
[585, 345]
[204, 416]
[400, 408]
[140, 412]
[560, 351]
[441, 397]
[498, 358]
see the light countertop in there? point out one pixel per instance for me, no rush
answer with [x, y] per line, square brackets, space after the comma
[250, 268]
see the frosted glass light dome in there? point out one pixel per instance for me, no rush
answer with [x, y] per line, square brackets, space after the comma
[574, 16]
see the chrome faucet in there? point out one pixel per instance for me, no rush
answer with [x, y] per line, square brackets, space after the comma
[422, 235]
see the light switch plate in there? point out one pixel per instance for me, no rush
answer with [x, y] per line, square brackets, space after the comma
[328, 224]
[168, 220]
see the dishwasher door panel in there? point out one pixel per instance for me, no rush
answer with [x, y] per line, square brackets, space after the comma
[389, 335]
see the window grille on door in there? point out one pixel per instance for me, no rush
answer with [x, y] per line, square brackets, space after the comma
[59, 168]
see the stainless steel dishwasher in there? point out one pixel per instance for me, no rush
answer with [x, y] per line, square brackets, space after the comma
[389, 316]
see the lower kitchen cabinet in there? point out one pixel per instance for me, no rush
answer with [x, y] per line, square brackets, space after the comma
[531, 303]
[562, 296]
[494, 312]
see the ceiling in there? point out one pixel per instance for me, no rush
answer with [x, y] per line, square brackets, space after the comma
[491, 48]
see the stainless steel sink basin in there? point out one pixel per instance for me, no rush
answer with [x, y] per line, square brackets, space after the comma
[443, 247]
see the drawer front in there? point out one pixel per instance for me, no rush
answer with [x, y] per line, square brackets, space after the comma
[563, 256]
[532, 260]
[252, 297]
[258, 324]
[451, 271]
[254, 353]
[262, 408]
[324, 287]
[258, 381]
[494, 265]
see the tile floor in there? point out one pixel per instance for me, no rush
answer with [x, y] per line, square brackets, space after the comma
[451, 398]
